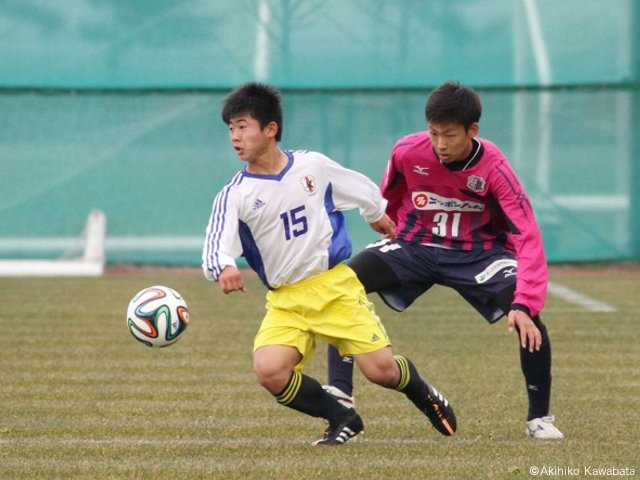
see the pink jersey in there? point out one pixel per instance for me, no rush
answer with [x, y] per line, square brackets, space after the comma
[481, 207]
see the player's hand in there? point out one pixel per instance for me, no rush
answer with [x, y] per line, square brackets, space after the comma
[231, 280]
[385, 226]
[530, 336]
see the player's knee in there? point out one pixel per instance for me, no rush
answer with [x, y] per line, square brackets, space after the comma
[272, 371]
[381, 371]
[271, 379]
[543, 330]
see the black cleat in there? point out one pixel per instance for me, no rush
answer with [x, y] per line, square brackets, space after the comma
[342, 432]
[440, 413]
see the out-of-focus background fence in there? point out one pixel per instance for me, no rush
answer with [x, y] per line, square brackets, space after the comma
[114, 106]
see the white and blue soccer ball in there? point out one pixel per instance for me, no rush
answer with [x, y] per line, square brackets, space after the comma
[157, 316]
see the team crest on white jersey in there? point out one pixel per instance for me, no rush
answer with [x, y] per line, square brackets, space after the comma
[477, 184]
[308, 183]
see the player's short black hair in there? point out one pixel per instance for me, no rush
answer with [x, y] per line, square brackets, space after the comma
[262, 102]
[452, 102]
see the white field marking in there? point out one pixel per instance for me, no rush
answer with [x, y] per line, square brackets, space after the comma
[571, 296]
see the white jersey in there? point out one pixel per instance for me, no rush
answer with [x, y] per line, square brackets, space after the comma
[288, 226]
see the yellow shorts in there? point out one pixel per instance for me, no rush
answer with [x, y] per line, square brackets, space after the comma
[332, 306]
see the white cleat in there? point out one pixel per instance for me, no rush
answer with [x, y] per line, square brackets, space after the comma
[339, 395]
[543, 429]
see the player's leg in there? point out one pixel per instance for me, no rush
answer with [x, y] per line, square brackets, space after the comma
[536, 368]
[379, 269]
[276, 369]
[374, 274]
[281, 347]
[274, 364]
[351, 324]
[340, 377]
[536, 365]
[398, 271]
[399, 373]
[492, 299]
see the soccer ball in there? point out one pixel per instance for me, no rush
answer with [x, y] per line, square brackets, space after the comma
[157, 316]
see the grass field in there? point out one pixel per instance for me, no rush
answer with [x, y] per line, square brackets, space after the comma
[79, 398]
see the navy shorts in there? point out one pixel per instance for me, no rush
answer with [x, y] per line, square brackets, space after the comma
[486, 279]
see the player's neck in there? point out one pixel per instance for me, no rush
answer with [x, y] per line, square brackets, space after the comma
[271, 162]
[472, 157]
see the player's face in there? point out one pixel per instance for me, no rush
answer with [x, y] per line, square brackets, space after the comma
[451, 141]
[247, 138]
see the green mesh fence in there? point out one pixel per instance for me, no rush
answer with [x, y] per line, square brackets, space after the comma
[115, 105]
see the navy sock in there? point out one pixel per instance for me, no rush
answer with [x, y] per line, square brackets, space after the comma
[340, 370]
[536, 368]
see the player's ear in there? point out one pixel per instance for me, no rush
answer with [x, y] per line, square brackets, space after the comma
[271, 130]
[473, 130]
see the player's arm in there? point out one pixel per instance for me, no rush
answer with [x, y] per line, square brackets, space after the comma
[526, 241]
[222, 244]
[352, 190]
